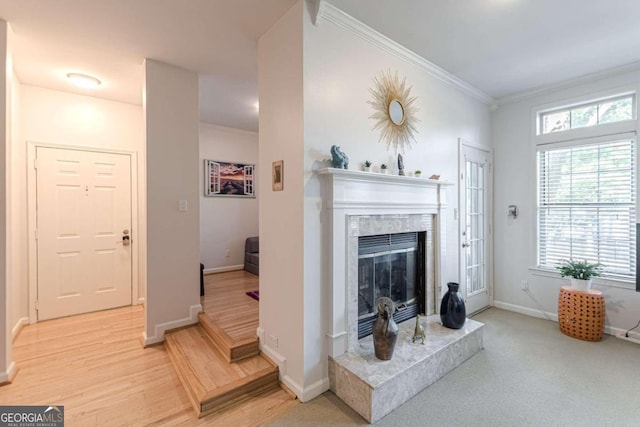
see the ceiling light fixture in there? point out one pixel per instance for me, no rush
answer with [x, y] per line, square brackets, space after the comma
[84, 81]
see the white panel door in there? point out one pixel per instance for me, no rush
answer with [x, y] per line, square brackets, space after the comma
[475, 233]
[83, 231]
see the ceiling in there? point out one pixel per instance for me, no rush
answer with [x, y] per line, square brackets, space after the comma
[501, 47]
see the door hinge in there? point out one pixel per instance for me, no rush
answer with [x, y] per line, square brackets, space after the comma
[35, 163]
[37, 305]
[36, 234]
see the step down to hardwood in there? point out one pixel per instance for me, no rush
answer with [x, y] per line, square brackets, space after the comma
[213, 383]
[232, 349]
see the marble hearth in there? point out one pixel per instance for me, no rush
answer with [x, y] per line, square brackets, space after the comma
[374, 387]
[361, 204]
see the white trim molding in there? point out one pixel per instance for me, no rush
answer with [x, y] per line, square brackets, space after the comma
[21, 323]
[336, 16]
[532, 312]
[609, 330]
[9, 375]
[228, 129]
[568, 84]
[223, 269]
[161, 328]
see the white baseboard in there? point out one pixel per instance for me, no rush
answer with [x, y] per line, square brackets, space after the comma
[609, 330]
[9, 374]
[161, 328]
[272, 354]
[223, 269]
[620, 333]
[21, 323]
[622, 336]
[304, 394]
[525, 310]
[315, 390]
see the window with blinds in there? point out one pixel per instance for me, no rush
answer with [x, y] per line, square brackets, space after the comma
[587, 205]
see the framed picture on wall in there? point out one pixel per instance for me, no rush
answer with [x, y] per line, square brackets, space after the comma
[277, 176]
[229, 179]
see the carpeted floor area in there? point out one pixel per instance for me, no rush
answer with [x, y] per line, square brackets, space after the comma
[529, 374]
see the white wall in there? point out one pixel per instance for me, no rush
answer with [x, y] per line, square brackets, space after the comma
[514, 183]
[59, 118]
[281, 221]
[172, 236]
[338, 72]
[7, 367]
[226, 222]
[19, 247]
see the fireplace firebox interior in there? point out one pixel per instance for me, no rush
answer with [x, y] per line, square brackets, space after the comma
[390, 265]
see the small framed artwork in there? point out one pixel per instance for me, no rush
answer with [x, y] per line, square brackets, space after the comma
[229, 179]
[277, 176]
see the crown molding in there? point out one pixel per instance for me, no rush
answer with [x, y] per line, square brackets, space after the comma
[336, 16]
[568, 84]
[227, 129]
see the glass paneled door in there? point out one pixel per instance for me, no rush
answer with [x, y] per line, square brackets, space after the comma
[475, 233]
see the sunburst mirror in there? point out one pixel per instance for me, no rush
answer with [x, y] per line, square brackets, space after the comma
[394, 111]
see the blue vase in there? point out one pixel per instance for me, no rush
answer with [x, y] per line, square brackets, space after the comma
[452, 310]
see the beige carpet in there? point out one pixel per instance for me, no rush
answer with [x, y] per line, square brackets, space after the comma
[529, 374]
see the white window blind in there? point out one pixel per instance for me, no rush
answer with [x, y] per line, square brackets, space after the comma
[587, 206]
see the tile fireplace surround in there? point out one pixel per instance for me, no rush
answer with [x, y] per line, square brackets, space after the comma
[363, 204]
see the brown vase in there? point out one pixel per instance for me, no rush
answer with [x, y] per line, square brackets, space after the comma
[385, 329]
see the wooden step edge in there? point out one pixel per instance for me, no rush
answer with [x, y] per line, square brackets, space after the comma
[232, 350]
[257, 392]
[187, 377]
[237, 391]
[245, 351]
[220, 339]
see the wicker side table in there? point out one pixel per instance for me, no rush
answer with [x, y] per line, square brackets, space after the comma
[581, 314]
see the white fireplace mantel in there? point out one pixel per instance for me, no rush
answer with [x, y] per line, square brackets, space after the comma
[354, 198]
[366, 190]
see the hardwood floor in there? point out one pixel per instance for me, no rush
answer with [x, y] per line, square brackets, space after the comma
[95, 366]
[226, 303]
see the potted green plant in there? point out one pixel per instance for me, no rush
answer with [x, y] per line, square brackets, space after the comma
[367, 165]
[417, 173]
[580, 272]
[384, 168]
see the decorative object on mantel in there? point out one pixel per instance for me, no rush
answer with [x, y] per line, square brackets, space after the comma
[580, 272]
[400, 165]
[452, 310]
[367, 166]
[384, 169]
[434, 177]
[385, 330]
[418, 333]
[394, 111]
[418, 173]
[338, 158]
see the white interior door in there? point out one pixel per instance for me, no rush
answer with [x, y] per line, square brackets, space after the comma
[475, 232]
[83, 217]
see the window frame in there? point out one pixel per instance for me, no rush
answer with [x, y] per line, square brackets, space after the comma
[590, 103]
[631, 136]
[575, 137]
